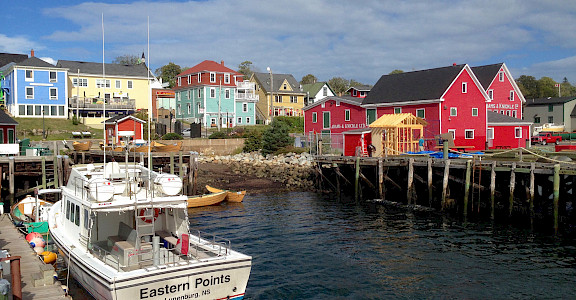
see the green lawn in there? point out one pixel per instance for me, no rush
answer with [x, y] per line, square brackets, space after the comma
[56, 129]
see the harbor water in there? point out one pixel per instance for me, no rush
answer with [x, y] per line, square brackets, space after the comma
[307, 246]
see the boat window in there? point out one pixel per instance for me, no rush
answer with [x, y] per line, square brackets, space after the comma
[86, 219]
[77, 219]
[72, 209]
[67, 209]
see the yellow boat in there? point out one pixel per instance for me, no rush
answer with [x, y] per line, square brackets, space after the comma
[82, 146]
[207, 199]
[172, 147]
[230, 195]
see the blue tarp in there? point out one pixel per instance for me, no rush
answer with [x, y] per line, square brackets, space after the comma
[440, 154]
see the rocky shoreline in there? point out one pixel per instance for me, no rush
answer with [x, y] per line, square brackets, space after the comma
[256, 173]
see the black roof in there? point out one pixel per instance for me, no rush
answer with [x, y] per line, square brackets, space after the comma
[486, 74]
[549, 100]
[35, 62]
[117, 118]
[5, 119]
[410, 86]
[494, 117]
[139, 70]
[6, 58]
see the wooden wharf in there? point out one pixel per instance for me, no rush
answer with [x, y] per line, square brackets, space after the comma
[37, 278]
[492, 187]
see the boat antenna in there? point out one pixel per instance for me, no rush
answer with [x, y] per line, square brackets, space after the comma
[104, 91]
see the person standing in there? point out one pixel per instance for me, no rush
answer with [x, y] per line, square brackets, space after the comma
[421, 144]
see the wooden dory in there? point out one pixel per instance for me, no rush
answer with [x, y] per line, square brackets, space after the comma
[82, 146]
[230, 195]
[207, 199]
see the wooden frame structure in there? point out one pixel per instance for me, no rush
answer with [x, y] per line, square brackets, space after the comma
[398, 133]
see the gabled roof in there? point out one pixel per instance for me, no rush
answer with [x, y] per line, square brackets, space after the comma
[264, 80]
[6, 58]
[549, 100]
[210, 66]
[34, 62]
[429, 84]
[91, 68]
[5, 119]
[314, 88]
[486, 74]
[345, 99]
[361, 88]
[118, 119]
[495, 118]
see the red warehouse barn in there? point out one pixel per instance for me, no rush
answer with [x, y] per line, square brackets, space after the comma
[334, 115]
[120, 126]
[450, 99]
[506, 132]
[504, 95]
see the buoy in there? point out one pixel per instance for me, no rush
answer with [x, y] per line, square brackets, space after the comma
[38, 242]
[49, 257]
[38, 250]
[32, 235]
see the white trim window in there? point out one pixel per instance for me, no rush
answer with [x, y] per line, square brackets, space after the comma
[514, 113]
[83, 82]
[53, 93]
[397, 110]
[469, 134]
[244, 107]
[247, 120]
[189, 92]
[29, 92]
[200, 77]
[347, 115]
[103, 83]
[179, 81]
[501, 76]
[294, 99]
[227, 94]
[130, 84]
[453, 111]
[118, 84]
[421, 113]
[29, 75]
[239, 120]
[490, 133]
[53, 76]
[512, 95]
[518, 132]
[226, 78]
[212, 93]
[464, 87]
[453, 132]
[314, 117]
[200, 92]
[474, 111]
[491, 94]
[212, 77]
[189, 79]
[179, 109]
[189, 108]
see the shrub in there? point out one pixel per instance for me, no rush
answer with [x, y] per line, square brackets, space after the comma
[295, 124]
[218, 135]
[172, 136]
[252, 141]
[290, 149]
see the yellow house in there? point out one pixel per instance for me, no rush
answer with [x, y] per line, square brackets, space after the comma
[285, 91]
[124, 89]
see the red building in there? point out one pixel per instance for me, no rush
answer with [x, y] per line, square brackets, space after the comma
[123, 126]
[360, 91]
[451, 99]
[356, 142]
[7, 128]
[504, 95]
[334, 115]
[506, 132]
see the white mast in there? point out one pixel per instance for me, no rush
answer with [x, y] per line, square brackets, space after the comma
[104, 89]
[149, 101]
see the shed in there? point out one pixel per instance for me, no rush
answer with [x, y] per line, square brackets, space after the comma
[123, 126]
[356, 142]
[398, 133]
[7, 128]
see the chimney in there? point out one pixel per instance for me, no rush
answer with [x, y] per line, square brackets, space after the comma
[143, 60]
[454, 64]
[32, 53]
[222, 62]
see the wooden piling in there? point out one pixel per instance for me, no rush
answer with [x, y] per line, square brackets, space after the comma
[429, 165]
[492, 188]
[512, 186]
[409, 189]
[11, 179]
[381, 178]
[356, 179]
[531, 199]
[556, 193]
[171, 162]
[180, 165]
[467, 188]
[445, 182]
[83, 157]
[55, 166]
[44, 172]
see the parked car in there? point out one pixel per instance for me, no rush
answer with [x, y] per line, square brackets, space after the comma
[186, 132]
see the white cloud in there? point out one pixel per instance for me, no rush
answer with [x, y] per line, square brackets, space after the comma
[17, 45]
[49, 60]
[352, 39]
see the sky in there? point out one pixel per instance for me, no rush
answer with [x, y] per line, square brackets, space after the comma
[360, 40]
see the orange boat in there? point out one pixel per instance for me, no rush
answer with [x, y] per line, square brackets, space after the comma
[230, 195]
[173, 147]
[207, 199]
[82, 146]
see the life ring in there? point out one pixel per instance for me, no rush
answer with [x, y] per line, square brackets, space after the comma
[148, 219]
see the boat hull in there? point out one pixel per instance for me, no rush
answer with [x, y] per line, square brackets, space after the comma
[230, 196]
[82, 146]
[206, 200]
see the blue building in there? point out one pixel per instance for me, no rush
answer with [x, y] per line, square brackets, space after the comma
[35, 89]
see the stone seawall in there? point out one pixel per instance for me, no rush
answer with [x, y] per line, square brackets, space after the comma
[294, 171]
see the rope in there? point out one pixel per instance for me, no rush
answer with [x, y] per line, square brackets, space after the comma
[547, 158]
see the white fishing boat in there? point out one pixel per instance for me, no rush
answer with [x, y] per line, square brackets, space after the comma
[124, 234]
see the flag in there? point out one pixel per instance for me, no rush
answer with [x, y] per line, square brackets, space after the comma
[557, 85]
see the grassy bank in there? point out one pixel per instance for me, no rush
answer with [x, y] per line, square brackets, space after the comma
[56, 129]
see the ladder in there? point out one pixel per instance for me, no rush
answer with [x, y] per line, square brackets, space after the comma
[145, 218]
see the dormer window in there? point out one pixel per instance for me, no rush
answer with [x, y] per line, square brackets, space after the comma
[212, 77]
[226, 78]
[189, 79]
[285, 87]
[199, 77]
[179, 81]
[354, 93]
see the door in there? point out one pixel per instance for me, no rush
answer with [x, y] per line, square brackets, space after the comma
[370, 116]
[326, 120]
[11, 137]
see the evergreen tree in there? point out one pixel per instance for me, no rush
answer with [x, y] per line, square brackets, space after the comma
[276, 137]
[252, 141]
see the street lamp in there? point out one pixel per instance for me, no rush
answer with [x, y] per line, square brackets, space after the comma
[271, 94]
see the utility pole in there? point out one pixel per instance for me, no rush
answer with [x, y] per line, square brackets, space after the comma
[219, 100]
[271, 94]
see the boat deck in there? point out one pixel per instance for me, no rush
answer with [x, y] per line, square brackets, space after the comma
[30, 265]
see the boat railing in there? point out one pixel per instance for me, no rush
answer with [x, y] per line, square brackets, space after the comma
[211, 244]
[105, 256]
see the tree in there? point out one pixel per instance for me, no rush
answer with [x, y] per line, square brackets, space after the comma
[528, 86]
[308, 79]
[252, 141]
[246, 68]
[338, 84]
[567, 89]
[127, 59]
[547, 89]
[276, 137]
[169, 72]
[396, 72]
[355, 83]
